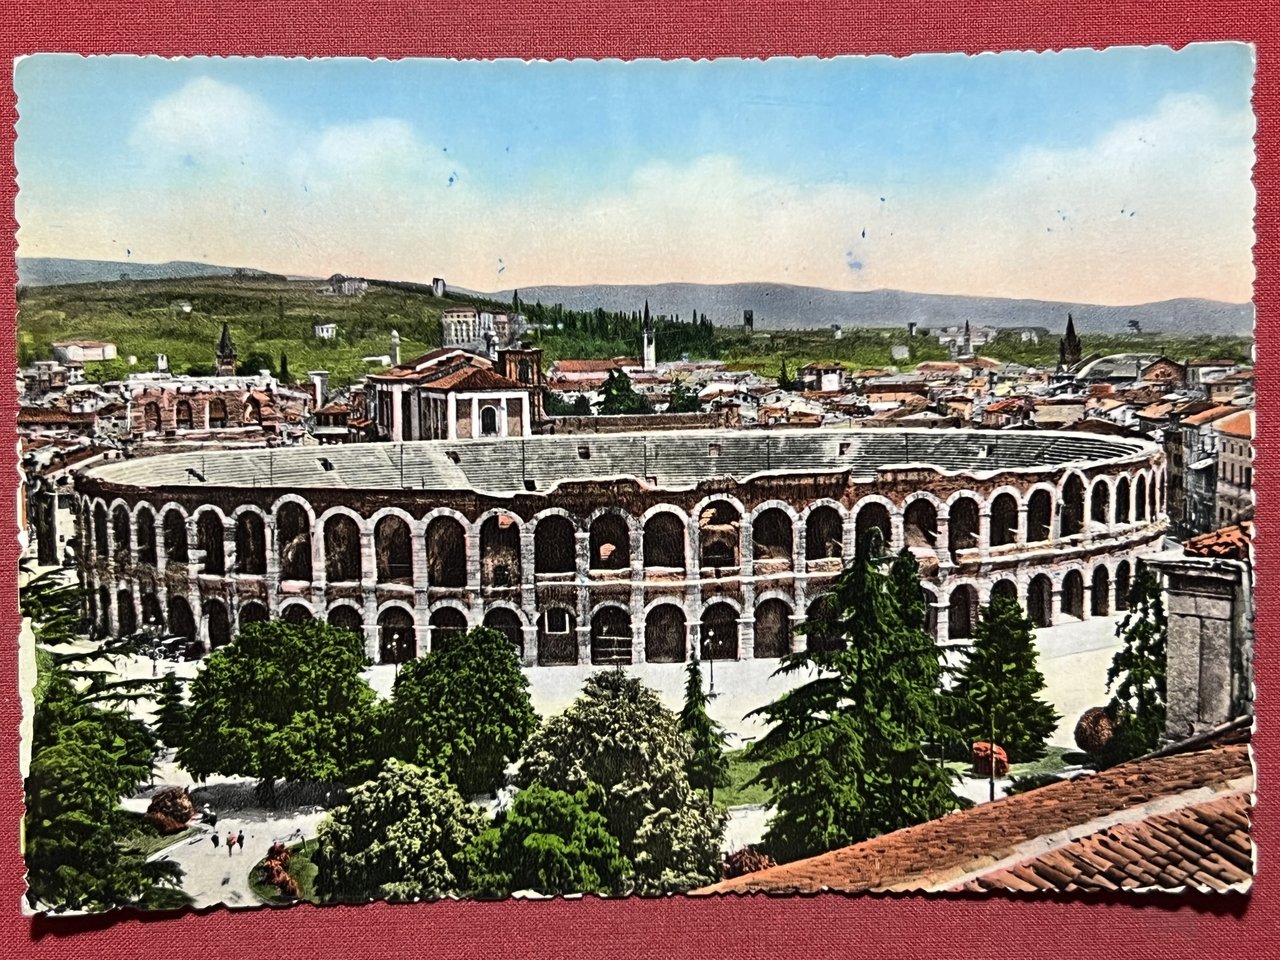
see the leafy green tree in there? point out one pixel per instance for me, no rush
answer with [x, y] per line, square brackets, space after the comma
[171, 712]
[284, 700]
[996, 696]
[400, 836]
[620, 397]
[552, 842]
[1137, 672]
[581, 406]
[851, 753]
[463, 710]
[619, 735]
[683, 400]
[708, 767]
[257, 361]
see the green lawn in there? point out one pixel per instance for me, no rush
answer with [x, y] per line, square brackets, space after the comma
[147, 839]
[301, 868]
[740, 790]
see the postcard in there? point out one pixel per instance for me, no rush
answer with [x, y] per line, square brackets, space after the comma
[458, 479]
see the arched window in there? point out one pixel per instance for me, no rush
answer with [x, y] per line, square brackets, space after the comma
[610, 543]
[125, 613]
[219, 623]
[920, 525]
[397, 636]
[557, 637]
[962, 612]
[488, 421]
[1123, 496]
[823, 534]
[175, 537]
[611, 636]
[251, 544]
[773, 629]
[342, 559]
[181, 622]
[1100, 503]
[718, 526]
[665, 634]
[252, 412]
[293, 542]
[719, 632]
[446, 553]
[500, 552]
[447, 624]
[507, 622]
[393, 547]
[1040, 600]
[1072, 518]
[217, 413]
[151, 417]
[772, 537]
[872, 516]
[209, 537]
[554, 545]
[1123, 585]
[1073, 594]
[664, 541]
[101, 536]
[121, 534]
[146, 524]
[346, 617]
[253, 612]
[1006, 589]
[183, 418]
[1100, 599]
[962, 527]
[1039, 516]
[1004, 520]
[296, 613]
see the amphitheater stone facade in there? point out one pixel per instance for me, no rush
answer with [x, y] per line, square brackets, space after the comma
[613, 548]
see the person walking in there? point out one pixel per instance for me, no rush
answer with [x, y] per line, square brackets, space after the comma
[215, 840]
[240, 840]
[231, 842]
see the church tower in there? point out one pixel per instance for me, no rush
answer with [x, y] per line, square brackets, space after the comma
[648, 342]
[226, 354]
[1069, 347]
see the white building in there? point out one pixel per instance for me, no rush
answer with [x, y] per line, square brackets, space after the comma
[83, 351]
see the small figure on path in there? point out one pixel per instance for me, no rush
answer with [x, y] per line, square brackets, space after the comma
[215, 840]
[240, 840]
[231, 842]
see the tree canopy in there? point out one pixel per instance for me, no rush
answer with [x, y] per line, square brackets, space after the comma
[708, 767]
[463, 710]
[400, 836]
[619, 735]
[854, 752]
[284, 700]
[620, 396]
[1137, 672]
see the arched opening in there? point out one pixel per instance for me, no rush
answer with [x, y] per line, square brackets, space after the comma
[507, 622]
[1123, 496]
[1151, 500]
[664, 634]
[773, 629]
[447, 624]
[146, 524]
[1006, 589]
[182, 417]
[962, 527]
[104, 609]
[489, 421]
[393, 548]
[252, 412]
[720, 632]
[1040, 600]
[125, 613]
[930, 611]
[920, 525]
[296, 613]
[209, 539]
[251, 544]
[253, 612]
[500, 552]
[219, 623]
[1100, 503]
[557, 637]
[345, 617]
[152, 613]
[1100, 595]
[397, 636]
[821, 633]
[962, 612]
[1073, 594]
[151, 417]
[181, 622]
[609, 542]
[122, 536]
[553, 545]
[175, 537]
[872, 516]
[718, 525]
[342, 562]
[1004, 520]
[1071, 520]
[1039, 516]
[293, 542]
[100, 535]
[664, 541]
[1123, 585]
[446, 553]
[611, 636]
[772, 536]
[823, 534]
[217, 413]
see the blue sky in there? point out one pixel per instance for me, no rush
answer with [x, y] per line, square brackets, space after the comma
[617, 170]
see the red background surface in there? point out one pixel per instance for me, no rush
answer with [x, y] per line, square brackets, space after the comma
[1003, 927]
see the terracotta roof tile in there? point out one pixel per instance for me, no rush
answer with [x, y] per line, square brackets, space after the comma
[1231, 543]
[1240, 425]
[1208, 416]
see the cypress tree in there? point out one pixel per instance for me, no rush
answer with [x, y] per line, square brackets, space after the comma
[708, 767]
[171, 713]
[1137, 672]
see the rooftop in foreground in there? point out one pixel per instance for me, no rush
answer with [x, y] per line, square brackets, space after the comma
[672, 461]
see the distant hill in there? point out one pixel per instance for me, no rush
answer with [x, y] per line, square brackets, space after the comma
[782, 306]
[51, 271]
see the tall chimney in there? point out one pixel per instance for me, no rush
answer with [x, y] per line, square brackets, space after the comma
[395, 348]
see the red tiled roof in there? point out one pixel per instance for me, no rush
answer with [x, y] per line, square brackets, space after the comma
[472, 378]
[1240, 425]
[592, 366]
[1231, 543]
[1208, 416]
[940, 854]
[47, 415]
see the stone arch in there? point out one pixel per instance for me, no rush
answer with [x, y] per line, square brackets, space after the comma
[252, 415]
[930, 611]
[144, 525]
[397, 634]
[1100, 594]
[509, 623]
[446, 538]
[218, 622]
[252, 611]
[823, 532]
[1100, 501]
[346, 616]
[1004, 520]
[664, 540]
[104, 610]
[122, 534]
[298, 611]
[719, 631]
[610, 634]
[1040, 600]
[251, 543]
[1140, 498]
[1040, 515]
[557, 637]
[962, 525]
[554, 544]
[962, 611]
[393, 549]
[920, 522]
[180, 619]
[1005, 588]
[719, 530]
[448, 622]
[176, 549]
[101, 536]
[1151, 498]
[665, 633]
[182, 417]
[126, 615]
[293, 540]
[152, 613]
[1124, 582]
[217, 413]
[773, 533]
[773, 628]
[343, 560]
[1071, 507]
[500, 550]
[151, 417]
[609, 540]
[1123, 497]
[489, 421]
[210, 533]
[817, 641]
[1073, 594]
[872, 514]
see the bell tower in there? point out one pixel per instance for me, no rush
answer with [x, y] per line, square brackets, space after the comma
[226, 354]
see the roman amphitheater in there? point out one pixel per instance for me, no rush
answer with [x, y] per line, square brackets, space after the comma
[616, 548]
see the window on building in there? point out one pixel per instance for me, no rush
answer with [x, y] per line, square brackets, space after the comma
[217, 414]
[184, 415]
[489, 422]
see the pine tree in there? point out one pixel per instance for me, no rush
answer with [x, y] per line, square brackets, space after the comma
[285, 377]
[849, 754]
[1137, 672]
[784, 379]
[996, 694]
[708, 767]
[171, 713]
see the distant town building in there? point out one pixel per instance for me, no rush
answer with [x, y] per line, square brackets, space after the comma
[648, 341]
[821, 377]
[749, 321]
[1234, 435]
[340, 286]
[324, 331]
[438, 287]
[83, 351]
